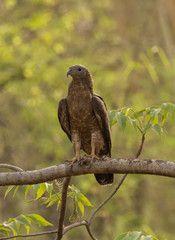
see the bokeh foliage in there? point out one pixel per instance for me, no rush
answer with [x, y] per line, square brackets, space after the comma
[129, 48]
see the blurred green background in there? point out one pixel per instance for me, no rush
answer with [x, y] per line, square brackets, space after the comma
[128, 46]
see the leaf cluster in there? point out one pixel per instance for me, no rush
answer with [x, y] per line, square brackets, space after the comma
[150, 118]
[14, 224]
[47, 194]
[79, 201]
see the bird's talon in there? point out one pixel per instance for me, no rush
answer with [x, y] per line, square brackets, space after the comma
[77, 158]
[92, 158]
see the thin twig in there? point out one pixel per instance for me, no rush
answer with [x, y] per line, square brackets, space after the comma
[74, 225]
[30, 235]
[62, 207]
[140, 130]
[90, 233]
[141, 145]
[107, 199]
[12, 167]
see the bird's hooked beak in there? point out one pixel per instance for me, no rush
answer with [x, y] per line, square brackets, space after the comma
[69, 72]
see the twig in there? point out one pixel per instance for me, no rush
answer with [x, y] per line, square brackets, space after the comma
[78, 224]
[62, 207]
[9, 166]
[90, 233]
[107, 199]
[30, 235]
[74, 225]
[141, 145]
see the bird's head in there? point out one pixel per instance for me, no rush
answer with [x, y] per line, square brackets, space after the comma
[78, 72]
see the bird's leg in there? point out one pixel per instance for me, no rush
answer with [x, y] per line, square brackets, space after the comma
[93, 144]
[76, 145]
[93, 154]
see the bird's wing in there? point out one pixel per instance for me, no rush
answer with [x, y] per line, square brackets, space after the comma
[63, 116]
[100, 110]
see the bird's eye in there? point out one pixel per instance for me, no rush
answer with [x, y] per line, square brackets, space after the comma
[79, 69]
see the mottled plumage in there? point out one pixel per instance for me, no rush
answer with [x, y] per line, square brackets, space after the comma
[83, 116]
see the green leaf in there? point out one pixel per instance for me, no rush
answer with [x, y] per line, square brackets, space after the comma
[163, 57]
[23, 220]
[139, 113]
[44, 200]
[51, 200]
[146, 238]
[41, 190]
[8, 190]
[129, 236]
[121, 119]
[134, 235]
[37, 219]
[4, 231]
[127, 111]
[155, 120]
[157, 128]
[49, 187]
[153, 73]
[165, 108]
[154, 112]
[12, 225]
[81, 198]
[35, 188]
[122, 236]
[27, 189]
[173, 111]
[146, 127]
[133, 121]
[58, 204]
[81, 207]
[112, 119]
[16, 189]
[27, 229]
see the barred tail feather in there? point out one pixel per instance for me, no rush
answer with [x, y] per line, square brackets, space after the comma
[104, 179]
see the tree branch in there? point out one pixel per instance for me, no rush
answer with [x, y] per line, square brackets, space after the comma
[90, 233]
[107, 199]
[12, 167]
[62, 207]
[104, 165]
[30, 235]
[74, 225]
[141, 146]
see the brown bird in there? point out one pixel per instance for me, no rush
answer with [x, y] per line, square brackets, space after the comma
[83, 117]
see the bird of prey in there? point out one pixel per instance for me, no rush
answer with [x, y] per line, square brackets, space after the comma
[83, 117]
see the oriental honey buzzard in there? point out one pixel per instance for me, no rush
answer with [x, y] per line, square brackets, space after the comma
[83, 117]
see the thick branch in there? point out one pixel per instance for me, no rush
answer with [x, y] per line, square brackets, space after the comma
[104, 165]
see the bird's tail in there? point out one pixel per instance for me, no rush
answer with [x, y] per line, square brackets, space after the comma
[104, 179]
